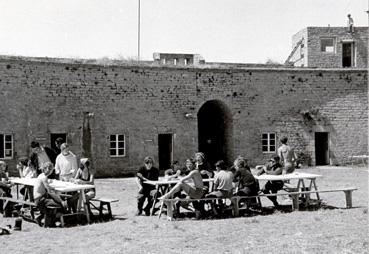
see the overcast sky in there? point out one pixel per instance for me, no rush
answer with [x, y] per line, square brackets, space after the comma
[244, 31]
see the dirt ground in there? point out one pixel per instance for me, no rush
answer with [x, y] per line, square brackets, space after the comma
[333, 230]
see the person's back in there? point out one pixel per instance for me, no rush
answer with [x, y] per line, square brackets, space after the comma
[223, 180]
[244, 177]
[287, 156]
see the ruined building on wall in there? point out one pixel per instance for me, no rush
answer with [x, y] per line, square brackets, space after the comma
[330, 47]
[117, 114]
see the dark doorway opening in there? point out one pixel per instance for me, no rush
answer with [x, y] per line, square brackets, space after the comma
[321, 148]
[215, 132]
[54, 136]
[165, 143]
[347, 54]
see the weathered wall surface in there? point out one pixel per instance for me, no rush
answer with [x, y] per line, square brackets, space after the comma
[39, 98]
[317, 58]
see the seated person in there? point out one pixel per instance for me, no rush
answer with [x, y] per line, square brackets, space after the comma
[273, 167]
[223, 186]
[5, 185]
[174, 171]
[246, 184]
[146, 191]
[194, 191]
[84, 175]
[26, 170]
[203, 167]
[45, 196]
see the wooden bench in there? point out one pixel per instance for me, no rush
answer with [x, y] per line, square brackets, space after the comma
[8, 201]
[103, 202]
[296, 194]
[170, 203]
[235, 199]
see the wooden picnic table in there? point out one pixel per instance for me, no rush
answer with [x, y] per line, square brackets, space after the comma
[301, 177]
[163, 185]
[60, 187]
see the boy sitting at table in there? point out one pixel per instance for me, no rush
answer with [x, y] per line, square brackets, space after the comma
[273, 167]
[246, 184]
[45, 196]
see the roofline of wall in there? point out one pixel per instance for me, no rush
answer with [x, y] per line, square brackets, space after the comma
[152, 65]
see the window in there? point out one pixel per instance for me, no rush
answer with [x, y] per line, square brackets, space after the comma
[6, 146]
[185, 61]
[268, 142]
[175, 60]
[327, 45]
[117, 145]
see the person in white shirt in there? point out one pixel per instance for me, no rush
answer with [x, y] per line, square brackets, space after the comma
[66, 163]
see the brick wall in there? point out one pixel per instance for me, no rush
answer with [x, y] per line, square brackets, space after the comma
[39, 98]
[316, 58]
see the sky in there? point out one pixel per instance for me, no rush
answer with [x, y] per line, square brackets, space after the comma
[236, 31]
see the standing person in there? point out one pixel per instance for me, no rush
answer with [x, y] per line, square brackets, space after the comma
[66, 163]
[146, 191]
[273, 167]
[58, 142]
[350, 23]
[5, 185]
[45, 196]
[287, 156]
[41, 155]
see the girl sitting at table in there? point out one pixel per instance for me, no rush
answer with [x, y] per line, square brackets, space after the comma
[84, 175]
[26, 170]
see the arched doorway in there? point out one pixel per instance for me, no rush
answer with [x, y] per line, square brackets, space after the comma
[215, 131]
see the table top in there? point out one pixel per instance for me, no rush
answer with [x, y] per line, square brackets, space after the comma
[55, 184]
[164, 181]
[294, 175]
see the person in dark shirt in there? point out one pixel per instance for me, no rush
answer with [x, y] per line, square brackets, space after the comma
[246, 184]
[40, 155]
[146, 191]
[273, 167]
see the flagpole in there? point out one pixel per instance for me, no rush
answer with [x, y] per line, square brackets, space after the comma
[139, 30]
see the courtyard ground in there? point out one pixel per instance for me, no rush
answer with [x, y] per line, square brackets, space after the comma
[336, 230]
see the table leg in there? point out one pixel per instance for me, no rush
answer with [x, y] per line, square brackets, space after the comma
[85, 206]
[315, 188]
[154, 202]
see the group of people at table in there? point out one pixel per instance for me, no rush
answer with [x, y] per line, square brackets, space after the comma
[227, 182]
[46, 164]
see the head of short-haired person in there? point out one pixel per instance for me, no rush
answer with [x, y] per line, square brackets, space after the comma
[240, 162]
[199, 158]
[148, 162]
[64, 149]
[36, 148]
[189, 165]
[220, 165]
[284, 140]
[47, 168]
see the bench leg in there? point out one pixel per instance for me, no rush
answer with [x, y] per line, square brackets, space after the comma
[236, 210]
[109, 211]
[348, 194]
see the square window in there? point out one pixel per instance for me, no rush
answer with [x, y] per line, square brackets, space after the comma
[327, 45]
[117, 145]
[6, 146]
[268, 142]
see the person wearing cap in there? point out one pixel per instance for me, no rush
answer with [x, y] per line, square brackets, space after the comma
[273, 167]
[66, 163]
[45, 196]
[287, 156]
[146, 191]
[40, 155]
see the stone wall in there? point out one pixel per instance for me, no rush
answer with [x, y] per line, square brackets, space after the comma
[39, 98]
